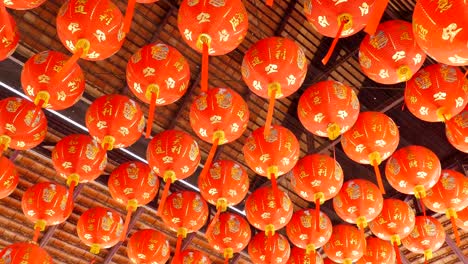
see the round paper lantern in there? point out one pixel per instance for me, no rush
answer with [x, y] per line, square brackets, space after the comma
[8, 33]
[212, 28]
[438, 30]
[173, 155]
[184, 212]
[317, 178]
[274, 68]
[269, 249]
[302, 232]
[456, 130]
[437, 93]
[194, 257]
[300, 256]
[328, 109]
[372, 139]
[377, 251]
[9, 177]
[462, 219]
[427, 236]
[157, 74]
[148, 246]
[449, 195]
[37, 80]
[346, 245]
[46, 204]
[229, 234]
[218, 116]
[391, 55]
[358, 202]
[133, 184]
[18, 129]
[22, 4]
[24, 253]
[99, 227]
[115, 121]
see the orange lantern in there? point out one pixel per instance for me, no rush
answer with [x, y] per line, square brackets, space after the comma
[218, 116]
[372, 139]
[317, 178]
[225, 184]
[377, 251]
[184, 212]
[8, 33]
[413, 170]
[462, 219]
[18, 129]
[9, 177]
[337, 19]
[148, 246]
[302, 232]
[158, 75]
[115, 121]
[212, 28]
[391, 55]
[266, 212]
[300, 256]
[193, 257]
[269, 249]
[437, 93]
[230, 234]
[24, 253]
[328, 109]
[456, 130]
[99, 227]
[133, 184]
[449, 195]
[271, 156]
[427, 236]
[173, 155]
[46, 204]
[438, 30]
[346, 245]
[274, 68]
[395, 222]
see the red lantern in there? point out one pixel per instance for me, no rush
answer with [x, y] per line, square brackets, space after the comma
[218, 116]
[46, 204]
[395, 222]
[449, 195]
[24, 253]
[18, 129]
[99, 227]
[269, 249]
[148, 246]
[328, 109]
[358, 202]
[271, 156]
[300, 256]
[229, 234]
[8, 33]
[456, 130]
[302, 232]
[194, 257]
[173, 155]
[133, 184]
[391, 55]
[437, 93]
[337, 19]
[274, 68]
[427, 236]
[266, 212]
[9, 177]
[346, 245]
[317, 178]
[377, 251]
[115, 121]
[184, 212]
[212, 28]
[372, 139]
[158, 75]
[438, 30]
[462, 219]
[22, 4]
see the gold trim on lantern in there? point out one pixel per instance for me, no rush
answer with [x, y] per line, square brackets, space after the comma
[404, 73]
[5, 141]
[375, 156]
[83, 44]
[333, 131]
[74, 177]
[451, 213]
[419, 191]
[222, 204]
[310, 248]
[347, 19]
[43, 96]
[203, 38]
[320, 196]
[132, 205]
[169, 174]
[272, 170]
[228, 253]
[41, 224]
[274, 87]
[428, 254]
[109, 141]
[361, 222]
[395, 238]
[347, 261]
[182, 231]
[219, 134]
[152, 88]
[270, 230]
[441, 116]
[95, 248]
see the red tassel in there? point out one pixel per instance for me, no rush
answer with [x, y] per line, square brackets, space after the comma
[204, 73]
[127, 221]
[213, 222]
[164, 196]
[269, 248]
[62, 74]
[37, 232]
[379, 177]
[37, 110]
[93, 261]
[226, 260]
[317, 214]
[397, 252]
[210, 157]
[149, 123]
[2, 149]
[269, 117]
[5, 16]
[455, 230]
[362, 229]
[335, 41]
[129, 16]
[177, 250]
[374, 17]
[269, 2]
[274, 187]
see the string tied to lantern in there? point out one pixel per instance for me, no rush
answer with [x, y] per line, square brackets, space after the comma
[95, 248]
[152, 94]
[169, 177]
[204, 43]
[333, 131]
[128, 16]
[108, 142]
[310, 249]
[344, 20]
[132, 205]
[41, 99]
[347, 261]
[319, 199]
[39, 226]
[4, 143]
[441, 114]
[218, 138]
[228, 254]
[274, 91]
[396, 241]
[221, 206]
[361, 222]
[82, 47]
[420, 193]
[427, 255]
[72, 181]
[273, 176]
[181, 234]
[452, 215]
[375, 159]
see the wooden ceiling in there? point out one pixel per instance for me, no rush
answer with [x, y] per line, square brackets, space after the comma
[158, 21]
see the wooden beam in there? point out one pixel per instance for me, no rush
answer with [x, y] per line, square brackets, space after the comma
[285, 19]
[456, 249]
